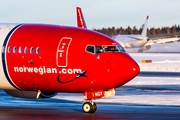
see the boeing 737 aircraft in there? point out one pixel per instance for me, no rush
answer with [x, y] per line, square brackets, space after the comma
[134, 41]
[40, 60]
[141, 41]
[131, 41]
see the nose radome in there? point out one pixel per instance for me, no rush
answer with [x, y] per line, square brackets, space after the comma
[125, 68]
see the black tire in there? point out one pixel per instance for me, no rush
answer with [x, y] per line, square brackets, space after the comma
[94, 107]
[87, 107]
[140, 51]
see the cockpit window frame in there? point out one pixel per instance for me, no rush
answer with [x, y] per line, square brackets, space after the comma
[102, 46]
[96, 48]
[116, 46]
[121, 47]
[88, 51]
[111, 51]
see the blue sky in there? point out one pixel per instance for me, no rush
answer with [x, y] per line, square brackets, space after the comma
[97, 13]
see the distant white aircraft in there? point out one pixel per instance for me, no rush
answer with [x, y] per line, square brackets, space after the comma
[141, 41]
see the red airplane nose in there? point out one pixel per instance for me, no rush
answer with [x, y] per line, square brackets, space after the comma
[125, 68]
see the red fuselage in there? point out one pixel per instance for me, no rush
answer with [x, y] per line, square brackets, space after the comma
[54, 58]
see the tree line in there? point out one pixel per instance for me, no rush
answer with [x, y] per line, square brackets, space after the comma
[151, 33]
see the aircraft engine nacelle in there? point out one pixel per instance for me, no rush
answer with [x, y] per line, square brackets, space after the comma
[48, 94]
[146, 47]
[30, 94]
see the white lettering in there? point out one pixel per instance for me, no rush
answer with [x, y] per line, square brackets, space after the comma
[29, 69]
[54, 70]
[44, 69]
[64, 71]
[80, 17]
[24, 69]
[70, 71]
[77, 71]
[48, 70]
[98, 94]
[16, 69]
[35, 70]
[41, 71]
[21, 69]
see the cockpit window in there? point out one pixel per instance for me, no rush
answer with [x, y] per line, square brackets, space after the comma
[90, 49]
[99, 49]
[121, 49]
[110, 49]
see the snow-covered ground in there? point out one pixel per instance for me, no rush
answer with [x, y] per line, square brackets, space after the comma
[143, 91]
[140, 91]
[162, 62]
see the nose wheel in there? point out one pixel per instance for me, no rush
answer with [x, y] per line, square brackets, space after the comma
[89, 107]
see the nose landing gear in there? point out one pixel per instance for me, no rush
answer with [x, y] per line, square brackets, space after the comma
[89, 107]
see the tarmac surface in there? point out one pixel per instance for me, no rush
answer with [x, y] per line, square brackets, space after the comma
[131, 102]
[107, 112]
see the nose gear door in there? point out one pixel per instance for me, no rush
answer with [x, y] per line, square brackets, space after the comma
[62, 52]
